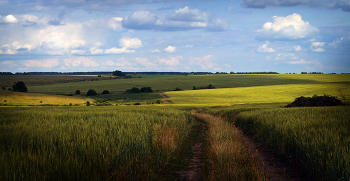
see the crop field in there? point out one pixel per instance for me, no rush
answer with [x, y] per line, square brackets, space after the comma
[185, 82]
[279, 94]
[11, 98]
[91, 143]
[123, 141]
[318, 137]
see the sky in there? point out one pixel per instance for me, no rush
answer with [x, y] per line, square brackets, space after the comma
[284, 36]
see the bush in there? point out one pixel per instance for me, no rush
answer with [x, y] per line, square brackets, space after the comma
[133, 90]
[77, 92]
[105, 92]
[88, 103]
[315, 101]
[194, 87]
[91, 92]
[137, 103]
[146, 89]
[3, 88]
[9, 89]
[177, 89]
[19, 86]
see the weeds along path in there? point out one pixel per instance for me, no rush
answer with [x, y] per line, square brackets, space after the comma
[194, 170]
[226, 155]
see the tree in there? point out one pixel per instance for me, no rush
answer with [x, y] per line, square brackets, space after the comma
[105, 92]
[3, 88]
[20, 87]
[77, 92]
[91, 92]
[118, 73]
[146, 89]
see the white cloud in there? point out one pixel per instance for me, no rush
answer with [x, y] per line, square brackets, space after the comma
[302, 61]
[171, 61]
[145, 62]
[44, 63]
[317, 46]
[336, 42]
[264, 49]
[155, 51]
[116, 23]
[78, 62]
[181, 19]
[120, 62]
[126, 44]
[290, 27]
[287, 57]
[132, 43]
[8, 19]
[297, 48]
[205, 62]
[170, 49]
[189, 46]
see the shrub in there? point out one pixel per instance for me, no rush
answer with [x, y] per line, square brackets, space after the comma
[194, 87]
[137, 103]
[70, 104]
[9, 89]
[177, 89]
[105, 92]
[88, 103]
[19, 86]
[77, 92]
[3, 88]
[70, 94]
[146, 89]
[133, 90]
[91, 92]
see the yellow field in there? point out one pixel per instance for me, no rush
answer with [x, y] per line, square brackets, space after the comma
[257, 94]
[25, 99]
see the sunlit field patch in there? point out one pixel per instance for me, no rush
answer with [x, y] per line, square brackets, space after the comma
[24, 99]
[258, 94]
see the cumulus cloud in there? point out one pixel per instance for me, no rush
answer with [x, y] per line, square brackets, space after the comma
[286, 28]
[170, 49]
[44, 63]
[116, 23]
[335, 4]
[297, 48]
[264, 49]
[181, 19]
[205, 62]
[155, 51]
[189, 46]
[302, 61]
[317, 46]
[8, 19]
[120, 62]
[171, 61]
[145, 62]
[78, 62]
[127, 44]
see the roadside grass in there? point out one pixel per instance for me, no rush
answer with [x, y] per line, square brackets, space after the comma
[280, 94]
[12, 98]
[227, 156]
[316, 137]
[187, 82]
[93, 143]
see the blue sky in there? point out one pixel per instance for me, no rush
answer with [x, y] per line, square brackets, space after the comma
[165, 35]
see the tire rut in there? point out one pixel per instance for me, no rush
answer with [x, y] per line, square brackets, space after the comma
[194, 171]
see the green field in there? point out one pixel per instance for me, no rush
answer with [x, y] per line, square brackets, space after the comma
[106, 142]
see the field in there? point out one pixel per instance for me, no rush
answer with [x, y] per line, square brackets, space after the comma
[149, 140]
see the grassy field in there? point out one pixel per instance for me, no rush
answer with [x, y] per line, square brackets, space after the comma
[92, 143]
[318, 138]
[62, 143]
[11, 98]
[187, 82]
[279, 94]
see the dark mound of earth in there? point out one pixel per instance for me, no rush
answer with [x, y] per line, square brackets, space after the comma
[315, 101]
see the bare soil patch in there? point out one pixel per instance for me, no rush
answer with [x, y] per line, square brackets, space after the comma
[194, 170]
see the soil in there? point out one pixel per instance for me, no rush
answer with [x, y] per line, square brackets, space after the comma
[194, 170]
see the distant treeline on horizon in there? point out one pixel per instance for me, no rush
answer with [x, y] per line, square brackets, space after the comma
[146, 73]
